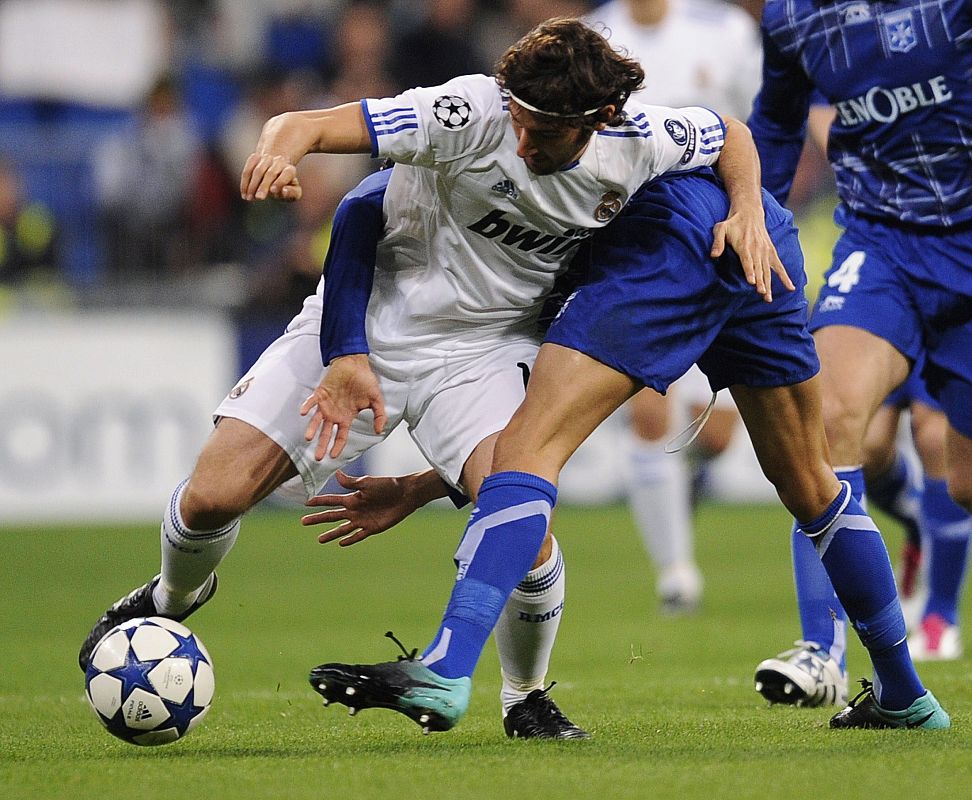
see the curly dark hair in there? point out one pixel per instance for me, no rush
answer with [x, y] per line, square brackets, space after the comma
[565, 68]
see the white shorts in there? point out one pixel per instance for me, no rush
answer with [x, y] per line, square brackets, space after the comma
[450, 403]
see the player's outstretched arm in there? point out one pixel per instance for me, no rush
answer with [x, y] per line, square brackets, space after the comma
[348, 387]
[744, 230]
[373, 505]
[271, 169]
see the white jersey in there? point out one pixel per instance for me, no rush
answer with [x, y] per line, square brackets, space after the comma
[473, 239]
[703, 52]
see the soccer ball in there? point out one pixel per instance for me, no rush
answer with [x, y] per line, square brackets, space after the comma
[150, 681]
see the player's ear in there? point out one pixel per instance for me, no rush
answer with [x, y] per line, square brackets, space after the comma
[605, 115]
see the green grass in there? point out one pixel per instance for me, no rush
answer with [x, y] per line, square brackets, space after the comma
[670, 702]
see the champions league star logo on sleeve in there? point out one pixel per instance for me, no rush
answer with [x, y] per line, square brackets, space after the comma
[899, 29]
[451, 112]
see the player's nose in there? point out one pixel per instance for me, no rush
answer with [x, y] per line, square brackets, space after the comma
[524, 147]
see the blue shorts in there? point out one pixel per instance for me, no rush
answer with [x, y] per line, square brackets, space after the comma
[914, 290]
[654, 302]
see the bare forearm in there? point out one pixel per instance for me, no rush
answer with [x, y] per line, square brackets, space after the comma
[293, 134]
[423, 487]
[739, 168]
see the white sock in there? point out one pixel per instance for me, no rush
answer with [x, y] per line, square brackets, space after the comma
[188, 558]
[658, 493]
[527, 629]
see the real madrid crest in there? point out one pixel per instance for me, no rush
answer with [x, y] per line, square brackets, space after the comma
[609, 207]
[240, 388]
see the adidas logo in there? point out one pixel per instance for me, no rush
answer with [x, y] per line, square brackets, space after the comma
[831, 303]
[506, 187]
[138, 711]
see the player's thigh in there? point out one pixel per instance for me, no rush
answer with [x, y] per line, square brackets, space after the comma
[857, 371]
[650, 413]
[569, 395]
[458, 404]
[786, 429]
[238, 466]
[269, 396]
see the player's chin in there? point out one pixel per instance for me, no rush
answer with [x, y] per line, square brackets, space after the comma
[540, 167]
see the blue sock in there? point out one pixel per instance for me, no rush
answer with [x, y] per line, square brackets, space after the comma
[822, 617]
[857, 562]
[897, 494]
[947, 526]
[501, 542]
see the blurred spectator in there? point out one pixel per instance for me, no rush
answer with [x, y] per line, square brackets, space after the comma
[144, 178]
[361, 53]
[447, 31]
[28, 234]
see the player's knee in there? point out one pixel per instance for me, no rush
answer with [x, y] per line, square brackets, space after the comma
[206, 508]
[845, 422]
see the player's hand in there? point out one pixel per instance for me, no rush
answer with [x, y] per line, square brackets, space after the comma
[348, 387]
[745, 232]
[374, 505]
[271, 169]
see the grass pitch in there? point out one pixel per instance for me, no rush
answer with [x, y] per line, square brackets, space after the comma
[670, 701]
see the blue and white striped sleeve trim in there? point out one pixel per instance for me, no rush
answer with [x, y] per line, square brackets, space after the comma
[712, 138]
[638, 126]
[392, 120]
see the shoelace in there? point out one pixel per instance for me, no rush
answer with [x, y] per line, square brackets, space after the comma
[541, 697]
[408, 655]
[867, 688]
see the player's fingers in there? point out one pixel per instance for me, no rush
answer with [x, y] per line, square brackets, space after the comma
[354, 538]
[340, 439]
[321, 517]
[247, 175]
[347, 481]
[292, 192]
[286, 176]
[336, 500]
[336, 533]
[780, 270]
[718, 240]
[767, 279]
[258, 168]
[381, 418]
[313, 427]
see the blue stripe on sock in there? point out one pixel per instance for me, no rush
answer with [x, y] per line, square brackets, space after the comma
[501, 542]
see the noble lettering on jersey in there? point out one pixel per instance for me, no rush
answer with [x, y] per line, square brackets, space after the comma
[451, 112]
[879, 104]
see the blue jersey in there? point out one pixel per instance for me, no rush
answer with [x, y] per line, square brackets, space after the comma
[900, 77]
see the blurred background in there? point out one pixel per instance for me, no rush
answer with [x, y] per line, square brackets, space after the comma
[136, 286]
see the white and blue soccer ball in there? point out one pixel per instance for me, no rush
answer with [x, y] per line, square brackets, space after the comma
[150, 681]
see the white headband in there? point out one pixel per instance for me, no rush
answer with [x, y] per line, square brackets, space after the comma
[536, 110]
